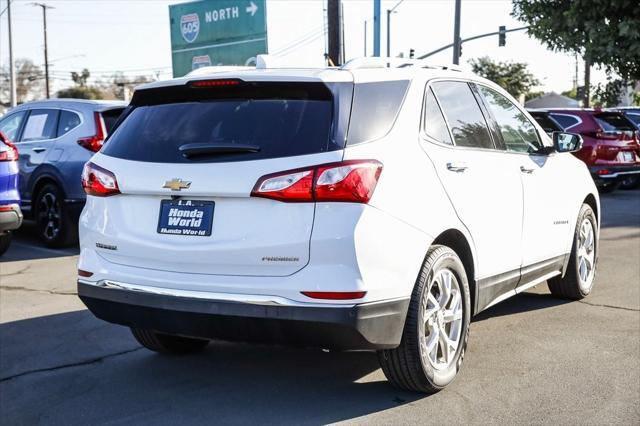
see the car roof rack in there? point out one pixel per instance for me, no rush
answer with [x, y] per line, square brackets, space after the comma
[380, 62]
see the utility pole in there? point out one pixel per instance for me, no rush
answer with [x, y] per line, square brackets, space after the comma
[376, 28]
[12, 71]
[456, 33]
[389, 12]
[334, 33]
[46, 54]
[365, 38]
[587, 79]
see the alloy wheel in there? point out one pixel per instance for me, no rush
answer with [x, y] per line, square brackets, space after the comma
[49, 213]
[586, 254]
[441, 325]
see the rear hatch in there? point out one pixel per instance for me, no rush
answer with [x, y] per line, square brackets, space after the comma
[186, 159]
[617, 138]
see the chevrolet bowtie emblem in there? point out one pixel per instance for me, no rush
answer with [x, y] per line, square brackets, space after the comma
[176, 184]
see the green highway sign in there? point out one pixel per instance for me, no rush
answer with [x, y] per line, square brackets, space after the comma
[216, 32]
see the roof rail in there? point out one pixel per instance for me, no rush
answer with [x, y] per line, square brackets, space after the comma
[380, 62]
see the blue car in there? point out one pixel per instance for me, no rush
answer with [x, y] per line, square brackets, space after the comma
[55, 138]
[10, 214]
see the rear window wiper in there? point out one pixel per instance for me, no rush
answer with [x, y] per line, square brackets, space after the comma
[203, 149]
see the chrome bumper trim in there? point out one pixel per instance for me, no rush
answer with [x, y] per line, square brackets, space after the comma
[252, 299]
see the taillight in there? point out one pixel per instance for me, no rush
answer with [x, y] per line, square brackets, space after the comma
[99, 182]
[603, 172]
[8, 151]
[95, 142]
[347, 181]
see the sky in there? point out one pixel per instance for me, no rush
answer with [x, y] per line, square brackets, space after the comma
[109, 36]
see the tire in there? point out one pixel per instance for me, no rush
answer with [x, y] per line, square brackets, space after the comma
[56, 228]
[5, 242]
[576, 285]
[412, 366]
[631, 182]
[608, 187]
[167, 343]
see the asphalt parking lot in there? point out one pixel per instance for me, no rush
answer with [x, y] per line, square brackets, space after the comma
[532, 359]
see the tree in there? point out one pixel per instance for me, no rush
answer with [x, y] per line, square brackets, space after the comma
[514, 77]
[29, 81]
[604, 32]
[608, 31]
[80, 78]
[81, 90]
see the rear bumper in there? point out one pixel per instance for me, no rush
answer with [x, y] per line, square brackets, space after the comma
[368, 326]
[613, 172]
[10, 219]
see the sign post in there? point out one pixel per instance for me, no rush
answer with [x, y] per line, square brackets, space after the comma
[216, 32]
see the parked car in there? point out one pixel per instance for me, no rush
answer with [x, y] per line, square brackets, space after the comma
[10, 214]
[611, 147]
[55, 138]
[363, 208]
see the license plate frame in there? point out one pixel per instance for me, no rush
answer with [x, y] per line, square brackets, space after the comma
[627, 156]
[187, 221]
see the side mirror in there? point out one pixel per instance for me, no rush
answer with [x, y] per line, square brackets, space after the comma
[566, 142]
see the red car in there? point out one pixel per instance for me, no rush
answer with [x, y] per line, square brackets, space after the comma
[611, 146]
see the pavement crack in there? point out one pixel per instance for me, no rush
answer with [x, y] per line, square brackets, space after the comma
[20, 288]
[18, 272]
[609, 306]
[70, 365]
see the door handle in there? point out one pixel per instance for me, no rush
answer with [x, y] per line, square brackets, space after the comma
[457, 167]
[38, 150]
[523, 169]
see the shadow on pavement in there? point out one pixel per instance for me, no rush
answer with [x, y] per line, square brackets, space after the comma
[524, 302]
[90, 370]
[26, 246]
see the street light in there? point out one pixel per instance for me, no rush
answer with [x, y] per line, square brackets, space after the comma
[389, 12]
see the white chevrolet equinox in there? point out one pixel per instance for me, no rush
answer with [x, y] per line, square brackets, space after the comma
[377, 206]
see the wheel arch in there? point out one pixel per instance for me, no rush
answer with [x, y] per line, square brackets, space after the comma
[592, 202]
[458, 242]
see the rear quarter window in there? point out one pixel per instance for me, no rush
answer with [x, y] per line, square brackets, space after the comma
[566, 120]
[374, 109]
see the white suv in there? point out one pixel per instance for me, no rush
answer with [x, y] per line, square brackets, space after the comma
[376, 206]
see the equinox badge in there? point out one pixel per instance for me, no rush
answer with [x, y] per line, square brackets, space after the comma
[176, 184]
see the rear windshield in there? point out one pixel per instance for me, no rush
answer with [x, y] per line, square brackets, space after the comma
[613, 122]
[546, 122]
[634, 116]
[110, 117]
[281, 120]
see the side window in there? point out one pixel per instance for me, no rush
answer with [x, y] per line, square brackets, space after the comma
[41, 125]
[434, 124]
[68, 121]
[375, 106]
[11, 124]
[566, 120]
[467, 123]
[517, 132]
